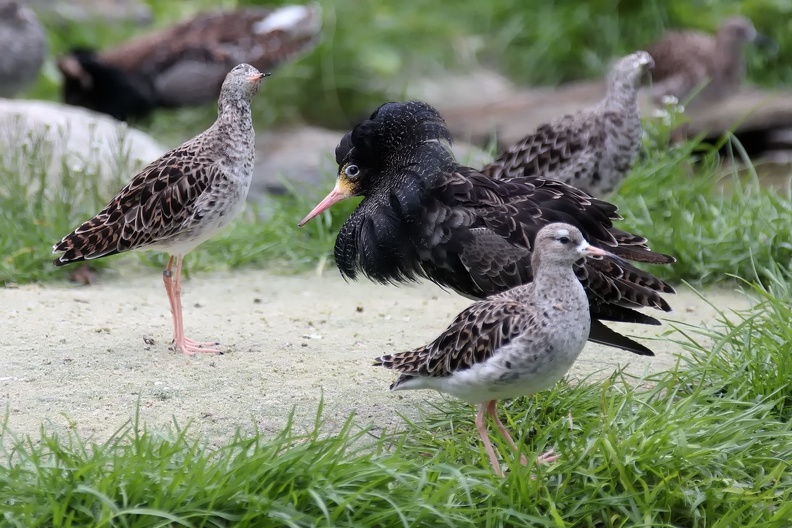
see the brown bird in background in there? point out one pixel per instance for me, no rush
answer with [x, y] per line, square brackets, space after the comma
[708, 68]
[592, 150]
[185, 64]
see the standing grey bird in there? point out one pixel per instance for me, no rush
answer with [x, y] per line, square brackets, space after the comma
[593, 149]
[513, 344]
[425, 215]
[23, 45]
[182, 199]
[708, 68]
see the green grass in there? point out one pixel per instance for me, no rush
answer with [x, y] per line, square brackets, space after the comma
[707, 444]
[715, 220]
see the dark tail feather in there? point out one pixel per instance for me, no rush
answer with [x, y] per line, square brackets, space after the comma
[621, 314]
[603, 335]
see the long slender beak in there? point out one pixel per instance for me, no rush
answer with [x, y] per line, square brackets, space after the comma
[593, 251]
[259, 76]
[765, 42]
[335, 196]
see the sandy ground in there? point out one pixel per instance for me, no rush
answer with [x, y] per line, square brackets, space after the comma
[83, 356]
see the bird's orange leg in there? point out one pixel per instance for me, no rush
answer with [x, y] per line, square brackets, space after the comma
[180, 341]
[481, 425]
[546, 458]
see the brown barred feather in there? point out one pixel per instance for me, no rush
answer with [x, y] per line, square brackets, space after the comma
[593, 149]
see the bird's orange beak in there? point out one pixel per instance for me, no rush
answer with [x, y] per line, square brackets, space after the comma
[335, 196]
[258, 76]
[593, 251]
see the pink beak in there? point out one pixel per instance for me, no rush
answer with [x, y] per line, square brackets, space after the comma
[335, 196]
[592, 251]
[597, 252]
[258, 76]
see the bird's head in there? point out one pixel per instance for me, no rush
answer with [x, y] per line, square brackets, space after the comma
[738, 30]
[631, 70]
[242, 82]
[562, 245]
[399, 140]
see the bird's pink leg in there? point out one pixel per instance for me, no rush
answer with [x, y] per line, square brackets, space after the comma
[167, 279]
[180, 341]
[546, 458]
[481, 425]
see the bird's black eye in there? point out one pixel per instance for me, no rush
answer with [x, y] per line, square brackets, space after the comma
[564, 240]
[352, 171]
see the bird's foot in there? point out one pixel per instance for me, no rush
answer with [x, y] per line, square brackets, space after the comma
[547, 458]
[191, 347]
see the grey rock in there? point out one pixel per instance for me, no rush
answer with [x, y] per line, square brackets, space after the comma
[23, 45]
[135, 11]
[68, 136]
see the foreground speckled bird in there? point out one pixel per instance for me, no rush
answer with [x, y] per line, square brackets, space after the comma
[180, 200]
[708, 68]
[185, 64]
[23, 45]
[424, 215]
[593, 149]
[512, 344]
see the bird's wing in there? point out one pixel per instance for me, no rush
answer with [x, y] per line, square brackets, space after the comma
[473, 337]
[152, 208]
[472, 211]
[682, 63]
[187, 62]
[555, 150]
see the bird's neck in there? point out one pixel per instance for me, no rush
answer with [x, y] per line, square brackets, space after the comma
[234, 124]
[233, 112]
[621, 96]
[729, 58]
[555, 284]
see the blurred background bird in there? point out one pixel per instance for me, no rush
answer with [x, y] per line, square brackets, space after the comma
[184, 65]
[699, 69]
[23, 46]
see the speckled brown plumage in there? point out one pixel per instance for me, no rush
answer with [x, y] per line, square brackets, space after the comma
[708, 67]
[514, 343]
[183, 198]
[185, 64]
[424, 215]
[593, 149]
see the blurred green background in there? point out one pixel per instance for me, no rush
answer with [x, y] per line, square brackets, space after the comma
[371, 49]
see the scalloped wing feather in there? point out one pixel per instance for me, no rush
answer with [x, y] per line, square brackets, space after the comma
[150, 209]
[473, 337]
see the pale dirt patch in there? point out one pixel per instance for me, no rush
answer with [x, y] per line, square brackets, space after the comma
[77, 356]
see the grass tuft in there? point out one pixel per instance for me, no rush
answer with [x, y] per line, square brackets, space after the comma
[713, 213]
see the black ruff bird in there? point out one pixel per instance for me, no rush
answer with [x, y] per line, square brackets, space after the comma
[424, 215]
